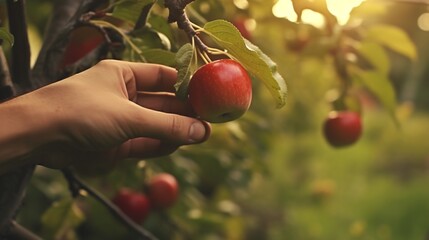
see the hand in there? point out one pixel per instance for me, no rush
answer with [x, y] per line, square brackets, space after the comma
[116, 110]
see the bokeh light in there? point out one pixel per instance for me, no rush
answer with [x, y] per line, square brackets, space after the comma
[284, 9]
[339, 8]
[241, 4]
[342, 8]
[423, 22]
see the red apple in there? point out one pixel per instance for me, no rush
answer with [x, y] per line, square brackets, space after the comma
[163, 190]
[342, 128]
[134, 204]
[81, 42]
[220, 91]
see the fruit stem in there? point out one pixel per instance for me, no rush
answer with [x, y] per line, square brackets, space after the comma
[215, 51]
[205, 57]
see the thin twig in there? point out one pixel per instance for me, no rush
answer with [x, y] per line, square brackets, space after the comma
[76, 183]
[177, 14]
[18, 232]
[185, 24]
[142, 20]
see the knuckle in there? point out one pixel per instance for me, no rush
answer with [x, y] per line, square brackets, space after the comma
[177, 126]
[107, 62]
[116, 68]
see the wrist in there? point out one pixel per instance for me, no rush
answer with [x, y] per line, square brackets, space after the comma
[27, 125]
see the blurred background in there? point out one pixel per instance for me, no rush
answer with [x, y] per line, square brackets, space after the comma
[272, 174]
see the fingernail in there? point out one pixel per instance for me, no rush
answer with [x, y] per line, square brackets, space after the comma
[197, 132]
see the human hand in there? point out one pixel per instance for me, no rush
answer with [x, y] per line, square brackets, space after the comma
[116, 110]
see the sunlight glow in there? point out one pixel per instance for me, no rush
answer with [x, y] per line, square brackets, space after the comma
[339, 8]
[423, 22]
[342, 8]
[284, 9]
[241, 4]
[314, 18]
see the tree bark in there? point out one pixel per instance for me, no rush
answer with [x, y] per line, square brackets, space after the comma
[7, 89]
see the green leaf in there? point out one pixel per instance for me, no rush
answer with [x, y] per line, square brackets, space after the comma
[160, 24]
[61, 219]
[148, 38]
[160, 56]
[376, 55]
[250, 56]
[6, 36]
[394, 38]
[367, 9]
[185, 68]
[130, 10]
[380, 85]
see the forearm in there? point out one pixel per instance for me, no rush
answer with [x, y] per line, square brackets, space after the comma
[25, 127]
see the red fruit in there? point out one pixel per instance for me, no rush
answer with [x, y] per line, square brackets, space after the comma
[134, 204]
[81, 42]
[163, 190]
[298, 44]
[220, 91]
[240, 24]
[342, 128]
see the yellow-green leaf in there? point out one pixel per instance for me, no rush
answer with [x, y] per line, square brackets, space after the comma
[130, 10]
[376, 55]
[250, 56]
[159, 56]
[380, 85]
[61, 219]
[394, 38]
[6, 36]
[368, 9]
[185, 68]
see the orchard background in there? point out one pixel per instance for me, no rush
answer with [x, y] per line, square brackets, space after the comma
[271, 174]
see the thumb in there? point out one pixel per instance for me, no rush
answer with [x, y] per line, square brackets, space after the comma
[170, 127]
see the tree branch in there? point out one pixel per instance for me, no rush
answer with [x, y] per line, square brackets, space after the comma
[12, 190]
[20, 66]
[76, 184]
[14, 183]
[177, 14]
[7, 89]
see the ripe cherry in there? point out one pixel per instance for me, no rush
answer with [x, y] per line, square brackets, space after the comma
[342, 128]
[220, 91]
[134, 204]
[163, 190]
